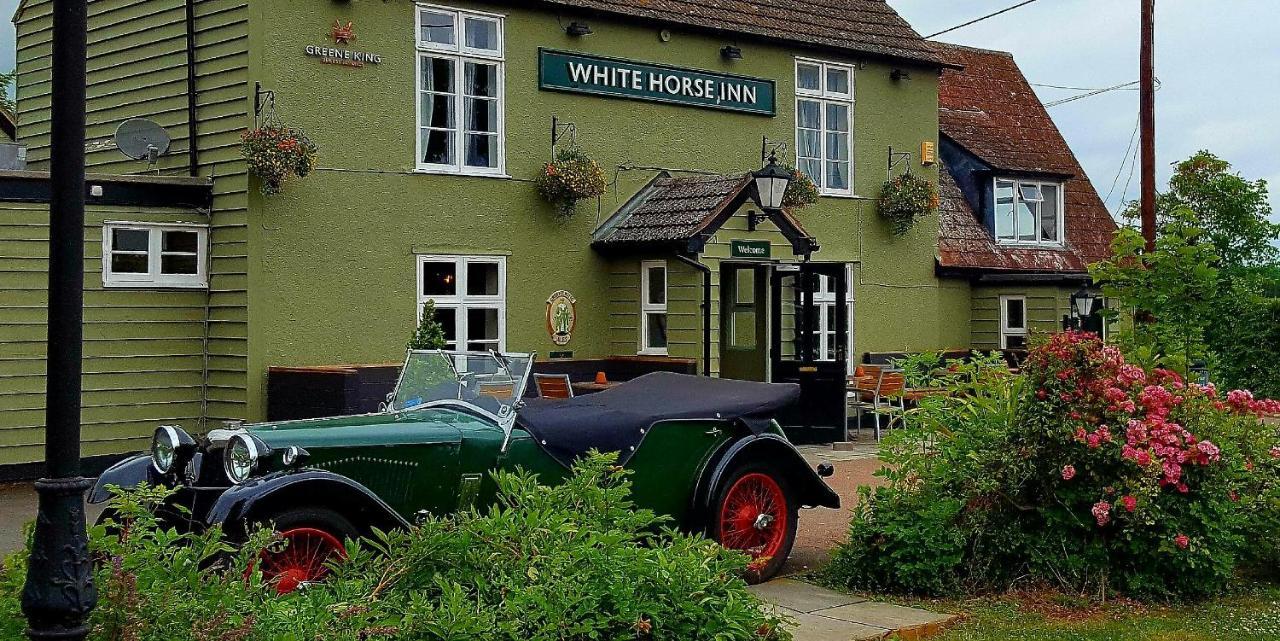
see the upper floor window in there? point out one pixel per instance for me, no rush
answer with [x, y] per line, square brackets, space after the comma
[154, 255]
[460, 92]
[1028, 212]
[824, 125]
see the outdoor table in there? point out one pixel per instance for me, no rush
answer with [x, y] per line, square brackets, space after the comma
[591, 387]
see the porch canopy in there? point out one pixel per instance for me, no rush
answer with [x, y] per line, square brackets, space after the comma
[684, 213]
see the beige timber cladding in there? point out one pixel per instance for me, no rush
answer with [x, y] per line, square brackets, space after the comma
[1046, 305]
[137, 68]
[143, 349]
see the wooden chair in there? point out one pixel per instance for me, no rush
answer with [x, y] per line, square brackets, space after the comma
[861, 394]
[553, 385]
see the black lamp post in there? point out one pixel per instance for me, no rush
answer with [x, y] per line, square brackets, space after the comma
[1081, 308]
[59, 593]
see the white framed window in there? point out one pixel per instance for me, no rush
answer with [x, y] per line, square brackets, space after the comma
[824, 303]
[460, 92]
[1013, 322]
[1028, 212]
[168, 255]
[653, 307]
[824, 124]
[470, 296]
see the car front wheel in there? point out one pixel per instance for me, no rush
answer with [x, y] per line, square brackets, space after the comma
[755, 514]
[308, 540]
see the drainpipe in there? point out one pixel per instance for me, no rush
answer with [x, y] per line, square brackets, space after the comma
[706, 310]
[193, 152]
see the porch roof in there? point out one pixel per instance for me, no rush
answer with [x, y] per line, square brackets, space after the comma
[684, 212]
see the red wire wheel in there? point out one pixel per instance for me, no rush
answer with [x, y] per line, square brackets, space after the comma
[299, 558]
[754, 517]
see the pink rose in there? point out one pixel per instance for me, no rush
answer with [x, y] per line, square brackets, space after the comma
[1068, 472]
[1102, 512]
[1129, 502]
[1182, 541]
[1275, 452]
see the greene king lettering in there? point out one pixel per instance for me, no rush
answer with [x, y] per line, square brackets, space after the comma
[663, 83]
[345, 57]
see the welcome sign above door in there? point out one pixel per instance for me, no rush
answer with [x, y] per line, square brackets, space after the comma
[582, 73]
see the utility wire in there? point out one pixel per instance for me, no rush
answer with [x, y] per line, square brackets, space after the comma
[1096, 92]
[1123, 161]
[977, 20]
[1041, 84]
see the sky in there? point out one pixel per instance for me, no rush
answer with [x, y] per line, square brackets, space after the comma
[1218, 62]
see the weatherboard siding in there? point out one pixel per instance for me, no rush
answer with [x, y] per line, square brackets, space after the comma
[1046, 305]
[137, 68]
[143, 353]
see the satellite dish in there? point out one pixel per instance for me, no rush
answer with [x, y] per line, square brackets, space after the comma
[141, 139]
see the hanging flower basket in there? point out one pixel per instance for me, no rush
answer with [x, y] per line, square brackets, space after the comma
[571, 177]
[801, 191]
[275, 152]
[905, 199]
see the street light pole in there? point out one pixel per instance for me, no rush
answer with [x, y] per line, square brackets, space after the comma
[59, 593]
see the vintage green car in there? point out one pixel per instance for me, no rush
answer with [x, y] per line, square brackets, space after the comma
[704, 451]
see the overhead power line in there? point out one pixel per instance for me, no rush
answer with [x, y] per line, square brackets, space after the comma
[977, 20]
[1127, 86]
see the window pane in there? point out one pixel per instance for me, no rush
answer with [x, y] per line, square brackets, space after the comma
[837, 117]
[482, 115]
[482, 325]
[1004, 210]
[837, 146]
[1030, 193]
[1049, 214]
[657, 294]
[745, 293]
[437, 111]
[809, 114]
[480, 34]
[437, 27]
[437, 147]
[657, 335]
[448, 319]
[810, 142]
[482, 151]
[134, 240]
[813, 169]
[179, 264]
[1028, 213]
[1015, 314]
[1015, 342]
[437, 75]
[837, 80]
[482, 279]
[439, 279]
[837, 175]
[481, 80]
[809, 77]
[129, 263]
[744, 329]
[181, 241]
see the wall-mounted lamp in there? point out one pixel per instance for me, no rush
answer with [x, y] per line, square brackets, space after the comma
[578, 29]
[730, 52]
[899, 75]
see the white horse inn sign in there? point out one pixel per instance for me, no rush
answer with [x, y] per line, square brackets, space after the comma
[582, 73]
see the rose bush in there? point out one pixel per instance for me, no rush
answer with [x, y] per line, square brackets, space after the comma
[1085, 471]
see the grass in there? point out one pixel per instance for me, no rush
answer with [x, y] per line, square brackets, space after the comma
[1252, 613]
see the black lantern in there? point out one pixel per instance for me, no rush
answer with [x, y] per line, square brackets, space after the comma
[1082, 302]
[578, 29]
[771, 184]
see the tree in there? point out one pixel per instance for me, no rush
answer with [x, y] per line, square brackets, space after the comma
[6, 102]
[1232, 212]
[430, 333]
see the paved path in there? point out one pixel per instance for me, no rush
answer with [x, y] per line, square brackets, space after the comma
[820, 529]
[820, 614]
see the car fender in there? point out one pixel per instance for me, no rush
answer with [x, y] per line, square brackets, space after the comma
[810, 489]
[127, 474]
[259, 499]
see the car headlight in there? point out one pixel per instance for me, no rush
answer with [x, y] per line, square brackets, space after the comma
[169, 446]
[241, 457]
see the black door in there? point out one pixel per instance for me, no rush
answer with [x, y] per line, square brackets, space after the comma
[802, 353]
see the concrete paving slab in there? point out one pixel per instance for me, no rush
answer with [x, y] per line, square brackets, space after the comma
[885, 615]
[802, 597]
[811, 627]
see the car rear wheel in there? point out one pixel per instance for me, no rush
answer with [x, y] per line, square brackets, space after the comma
[756, 514]
[308, 540]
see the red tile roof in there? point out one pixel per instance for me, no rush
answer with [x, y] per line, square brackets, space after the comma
[990, 109]
[862, 26]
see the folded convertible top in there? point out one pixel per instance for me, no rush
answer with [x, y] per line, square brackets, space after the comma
[617, 419]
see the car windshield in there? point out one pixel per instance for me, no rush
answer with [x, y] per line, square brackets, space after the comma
[491, 381]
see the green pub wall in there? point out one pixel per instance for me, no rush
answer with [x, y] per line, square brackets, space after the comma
[325, 272]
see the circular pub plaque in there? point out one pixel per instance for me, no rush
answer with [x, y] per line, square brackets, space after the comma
[562, 316]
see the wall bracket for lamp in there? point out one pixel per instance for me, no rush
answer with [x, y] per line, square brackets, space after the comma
[264, 104]
[773, 148]
[558, 132]
[897, 158]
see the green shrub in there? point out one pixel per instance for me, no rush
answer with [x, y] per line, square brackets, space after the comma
[576, 561]
[1085, 472]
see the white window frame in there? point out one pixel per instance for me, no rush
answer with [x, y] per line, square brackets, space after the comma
[154, 278]
[823, 98]
[1005, 330]
[824, 298]
[647, 307]
[460, 302]
[460, 54]
[1018, 184]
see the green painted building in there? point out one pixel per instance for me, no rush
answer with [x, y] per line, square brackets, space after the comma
[433, 120]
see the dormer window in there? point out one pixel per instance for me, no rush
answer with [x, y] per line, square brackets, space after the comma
[1028, 212]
